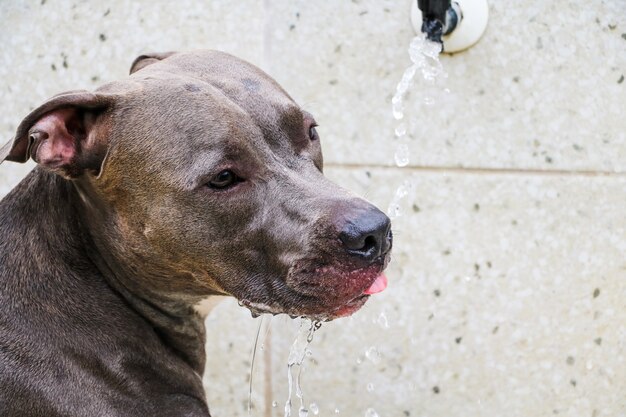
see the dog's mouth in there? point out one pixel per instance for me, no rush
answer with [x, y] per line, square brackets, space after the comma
[324, 293]
[356, 303]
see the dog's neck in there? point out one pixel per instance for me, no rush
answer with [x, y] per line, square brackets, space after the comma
[172, 316]
[64, 218]
[180, 327]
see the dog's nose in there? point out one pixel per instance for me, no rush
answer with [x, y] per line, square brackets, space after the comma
[368, 235]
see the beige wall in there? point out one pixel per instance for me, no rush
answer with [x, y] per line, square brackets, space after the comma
[508, 283]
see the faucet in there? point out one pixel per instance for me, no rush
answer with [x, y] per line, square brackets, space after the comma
[454, 24]
[439, 18]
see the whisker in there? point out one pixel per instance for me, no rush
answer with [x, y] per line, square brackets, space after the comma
[309, 103]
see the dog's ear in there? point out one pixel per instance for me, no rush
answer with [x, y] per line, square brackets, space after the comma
[66, 134]
[143, 61]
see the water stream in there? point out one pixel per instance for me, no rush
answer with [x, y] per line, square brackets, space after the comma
[298, 352]
[424, 55]
[265, 321]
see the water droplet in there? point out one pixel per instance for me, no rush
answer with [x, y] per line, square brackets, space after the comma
[373, 355]
[394, 209]
[371, 413]
[398, 111]
[314, 408]
[402, 155]
[400, 130]
[370, 387]
[274, 404]
[382, 320]
[337, 410]
[303, 412]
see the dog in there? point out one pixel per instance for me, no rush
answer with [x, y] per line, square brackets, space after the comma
[195, 177]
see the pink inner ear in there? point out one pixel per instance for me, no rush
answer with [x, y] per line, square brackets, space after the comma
[58, 145]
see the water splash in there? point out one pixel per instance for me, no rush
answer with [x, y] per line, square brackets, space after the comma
[425, 56]
[298, 352]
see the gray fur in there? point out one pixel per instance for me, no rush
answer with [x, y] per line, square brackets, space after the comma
[103, 256]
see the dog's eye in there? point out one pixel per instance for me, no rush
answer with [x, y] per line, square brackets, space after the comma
[313, 133]
[224, 179]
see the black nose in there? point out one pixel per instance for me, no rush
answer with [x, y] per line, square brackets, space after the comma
[367, 235]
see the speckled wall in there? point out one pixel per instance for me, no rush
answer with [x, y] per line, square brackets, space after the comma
[507, 291]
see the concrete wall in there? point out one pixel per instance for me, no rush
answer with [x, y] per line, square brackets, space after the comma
[508, 285]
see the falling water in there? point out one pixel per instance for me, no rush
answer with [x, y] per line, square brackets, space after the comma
[402, 191]
[299, 350]
[424, 55]
[256, 347]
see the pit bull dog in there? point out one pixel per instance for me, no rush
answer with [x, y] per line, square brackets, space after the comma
[197, 176]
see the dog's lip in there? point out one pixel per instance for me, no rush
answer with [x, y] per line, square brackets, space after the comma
[344, 310]
[311, 279]
[312, 301]
[350, 307]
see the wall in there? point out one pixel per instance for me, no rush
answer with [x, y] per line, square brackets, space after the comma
[508, 285]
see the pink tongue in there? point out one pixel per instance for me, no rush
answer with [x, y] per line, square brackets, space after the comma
[379, 285]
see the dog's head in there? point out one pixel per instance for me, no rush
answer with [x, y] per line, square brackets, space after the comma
[199, 176]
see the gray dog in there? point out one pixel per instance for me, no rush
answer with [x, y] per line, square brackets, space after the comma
[194, 177]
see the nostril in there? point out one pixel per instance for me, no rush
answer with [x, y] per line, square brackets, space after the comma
[368, 244]
[353, 239]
